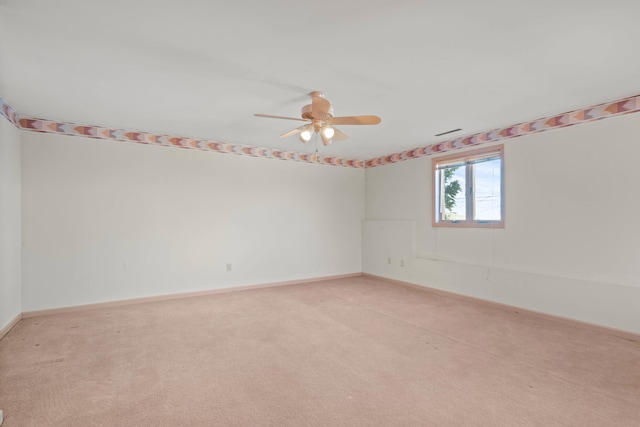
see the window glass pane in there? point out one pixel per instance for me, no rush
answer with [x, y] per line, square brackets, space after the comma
[487, 190]
[455, 205]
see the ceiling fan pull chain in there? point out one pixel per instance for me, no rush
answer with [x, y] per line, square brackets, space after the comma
[315, 155]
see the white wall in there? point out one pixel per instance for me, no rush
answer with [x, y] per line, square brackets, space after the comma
[571, 246]
[10, 240]
[104, 220]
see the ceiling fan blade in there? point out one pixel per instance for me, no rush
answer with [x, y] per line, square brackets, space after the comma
[355, 120]
[293, 132]
[280, 117]
[320, 107]
[338, 135]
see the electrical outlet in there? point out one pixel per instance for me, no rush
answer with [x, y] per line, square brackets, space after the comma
[389, 261]
[401, 263]
[229, 267]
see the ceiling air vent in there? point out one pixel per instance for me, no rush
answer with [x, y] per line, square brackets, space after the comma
[448, 132]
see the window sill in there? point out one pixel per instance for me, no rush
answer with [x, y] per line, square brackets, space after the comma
[465, 224]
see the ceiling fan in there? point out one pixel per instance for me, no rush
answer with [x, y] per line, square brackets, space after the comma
[319, 118]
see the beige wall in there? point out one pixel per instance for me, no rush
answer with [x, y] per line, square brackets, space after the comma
[10, 228]
[571, 243]
[105, 220]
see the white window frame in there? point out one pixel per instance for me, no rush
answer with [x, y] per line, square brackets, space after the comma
[466, 158]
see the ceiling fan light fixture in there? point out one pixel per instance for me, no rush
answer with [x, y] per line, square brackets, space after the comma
[305, 135]
[328, 132]
[320, 121]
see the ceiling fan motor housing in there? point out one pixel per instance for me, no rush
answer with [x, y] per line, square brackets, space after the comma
[308, 115]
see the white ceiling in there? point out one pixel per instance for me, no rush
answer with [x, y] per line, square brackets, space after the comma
[202, 68]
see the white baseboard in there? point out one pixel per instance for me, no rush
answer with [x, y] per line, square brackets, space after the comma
[119, 303]
[620, 332]
[4, 331]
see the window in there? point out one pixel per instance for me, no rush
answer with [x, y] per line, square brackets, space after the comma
[468, 189]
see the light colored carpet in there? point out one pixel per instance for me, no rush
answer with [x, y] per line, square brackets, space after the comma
[348, 352]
